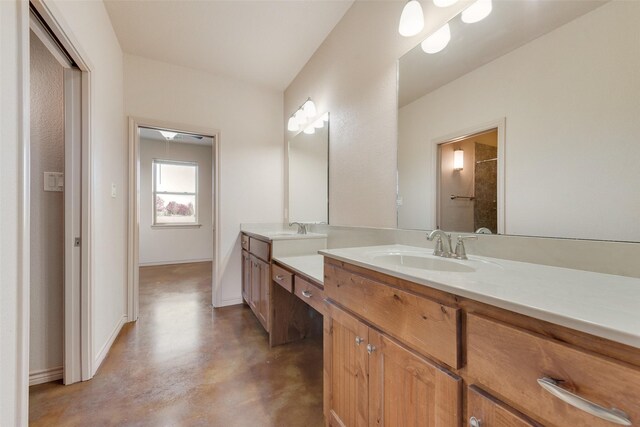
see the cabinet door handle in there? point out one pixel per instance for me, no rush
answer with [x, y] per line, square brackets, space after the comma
[474, 422]
[307, 294]
[371, 348]
[614, 415]
[359, 340]
[279, 277]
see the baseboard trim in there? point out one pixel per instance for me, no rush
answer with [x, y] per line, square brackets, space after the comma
[45, 375]
[228, 302]
[102, 354]
[187, 261]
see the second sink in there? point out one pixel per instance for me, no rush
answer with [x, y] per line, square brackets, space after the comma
[424, 263]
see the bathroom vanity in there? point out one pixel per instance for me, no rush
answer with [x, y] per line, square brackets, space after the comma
[417, 343]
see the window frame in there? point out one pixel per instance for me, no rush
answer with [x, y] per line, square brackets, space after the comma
[154, 193]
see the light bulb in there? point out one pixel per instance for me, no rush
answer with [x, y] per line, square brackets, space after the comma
[301, 117]
[318, 124]
[477, 11]
[309, 109]
[168, 135]
[437, 41]
[309, 130]
[293, 124]
[412, 19]
[444, 3]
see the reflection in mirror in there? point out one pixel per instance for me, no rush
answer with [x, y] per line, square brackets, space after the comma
[309, 173]
[560, 79]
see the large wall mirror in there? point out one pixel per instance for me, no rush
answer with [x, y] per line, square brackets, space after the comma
[526, 123]
[308, 152]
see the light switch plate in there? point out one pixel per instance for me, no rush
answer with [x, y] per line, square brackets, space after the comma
[53, 181]
[113, 190]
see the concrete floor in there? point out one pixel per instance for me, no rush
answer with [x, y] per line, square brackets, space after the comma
[185, 364]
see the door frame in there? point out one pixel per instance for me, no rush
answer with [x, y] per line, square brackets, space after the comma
[133, 239]
[500, 125]
[78, 343]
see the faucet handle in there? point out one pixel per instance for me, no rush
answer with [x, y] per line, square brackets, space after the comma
[461, 252]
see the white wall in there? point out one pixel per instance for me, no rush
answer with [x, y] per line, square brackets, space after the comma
[251, 151]
[308, 176]
[353, 75]
[47, 210]
[167, 245]
[91, 28]
[14, 213]
[572, 147]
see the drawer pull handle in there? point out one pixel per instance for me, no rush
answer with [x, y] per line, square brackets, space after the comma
[359, 340]
[613, 415]
[279, 278]
[371, 348]
[307, 294]
[474, 422]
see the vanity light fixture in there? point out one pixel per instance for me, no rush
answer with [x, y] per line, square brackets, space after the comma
[437, 41]
[309, 130]
[319, 124]
[167, 134]
[411, 19]
[458, 159]
[302, 116]
[292, 125]
[309, 109]
[477, 11]
[444, 3]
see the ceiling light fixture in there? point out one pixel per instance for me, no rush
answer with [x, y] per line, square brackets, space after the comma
[477, 11]
[437, 41]
[167, 134]
[444, 3]
[411, 19]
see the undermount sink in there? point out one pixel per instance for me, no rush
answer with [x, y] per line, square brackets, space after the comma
[424, 263]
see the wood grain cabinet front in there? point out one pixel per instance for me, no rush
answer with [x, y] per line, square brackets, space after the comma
[282, 277]
[484, 410]
[371, 380]
[310, 293]
[246, 276]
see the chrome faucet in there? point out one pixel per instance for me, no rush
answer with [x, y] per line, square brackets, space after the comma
[439, 250]
[461, 252]
[302, 228]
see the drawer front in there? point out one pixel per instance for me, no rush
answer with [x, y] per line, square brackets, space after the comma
[244, 242]
[426, 326]
[309, 293]
[260, 249]
[509, 361]
[485, 410]
[282, 277]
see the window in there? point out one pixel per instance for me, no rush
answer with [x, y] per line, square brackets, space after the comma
[175, 192]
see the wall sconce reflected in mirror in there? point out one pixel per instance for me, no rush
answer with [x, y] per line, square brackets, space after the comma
[458, 159]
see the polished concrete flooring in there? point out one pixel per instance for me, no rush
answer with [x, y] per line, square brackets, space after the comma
[185, 364]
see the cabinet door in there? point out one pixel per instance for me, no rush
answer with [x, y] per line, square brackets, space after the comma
[254, 294]
[408, 390]
[345, 370]
[246, 276]
[265, 293]
[486, 411]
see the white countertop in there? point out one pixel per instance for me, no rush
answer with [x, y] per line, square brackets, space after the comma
[277, 232]
[603, 305]
[309, 265]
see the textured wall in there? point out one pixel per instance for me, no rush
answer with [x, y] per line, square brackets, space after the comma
[47, 210]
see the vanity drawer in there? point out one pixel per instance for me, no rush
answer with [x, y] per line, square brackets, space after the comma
[510, 362]
[310, 293]
[282, 277]
[426, 326]
[260, 249]
[484, 410]
[244, 242]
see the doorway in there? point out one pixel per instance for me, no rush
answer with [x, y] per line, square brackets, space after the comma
[173, 200]
[58, 194]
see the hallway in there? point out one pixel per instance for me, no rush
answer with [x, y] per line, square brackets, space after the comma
[184, 364]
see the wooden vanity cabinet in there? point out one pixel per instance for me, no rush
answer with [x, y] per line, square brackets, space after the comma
[484, 410]
[371, 380]
[256, 277]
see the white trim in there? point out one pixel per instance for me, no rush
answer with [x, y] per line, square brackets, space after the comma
[45, 375]
[229, 302]
[102, 354]
[500, 125]
[186, 261]
[133, 238]
[175, 225]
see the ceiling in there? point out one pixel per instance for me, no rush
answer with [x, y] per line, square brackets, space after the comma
[183, 138]
[263, 42]
[510, 25]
